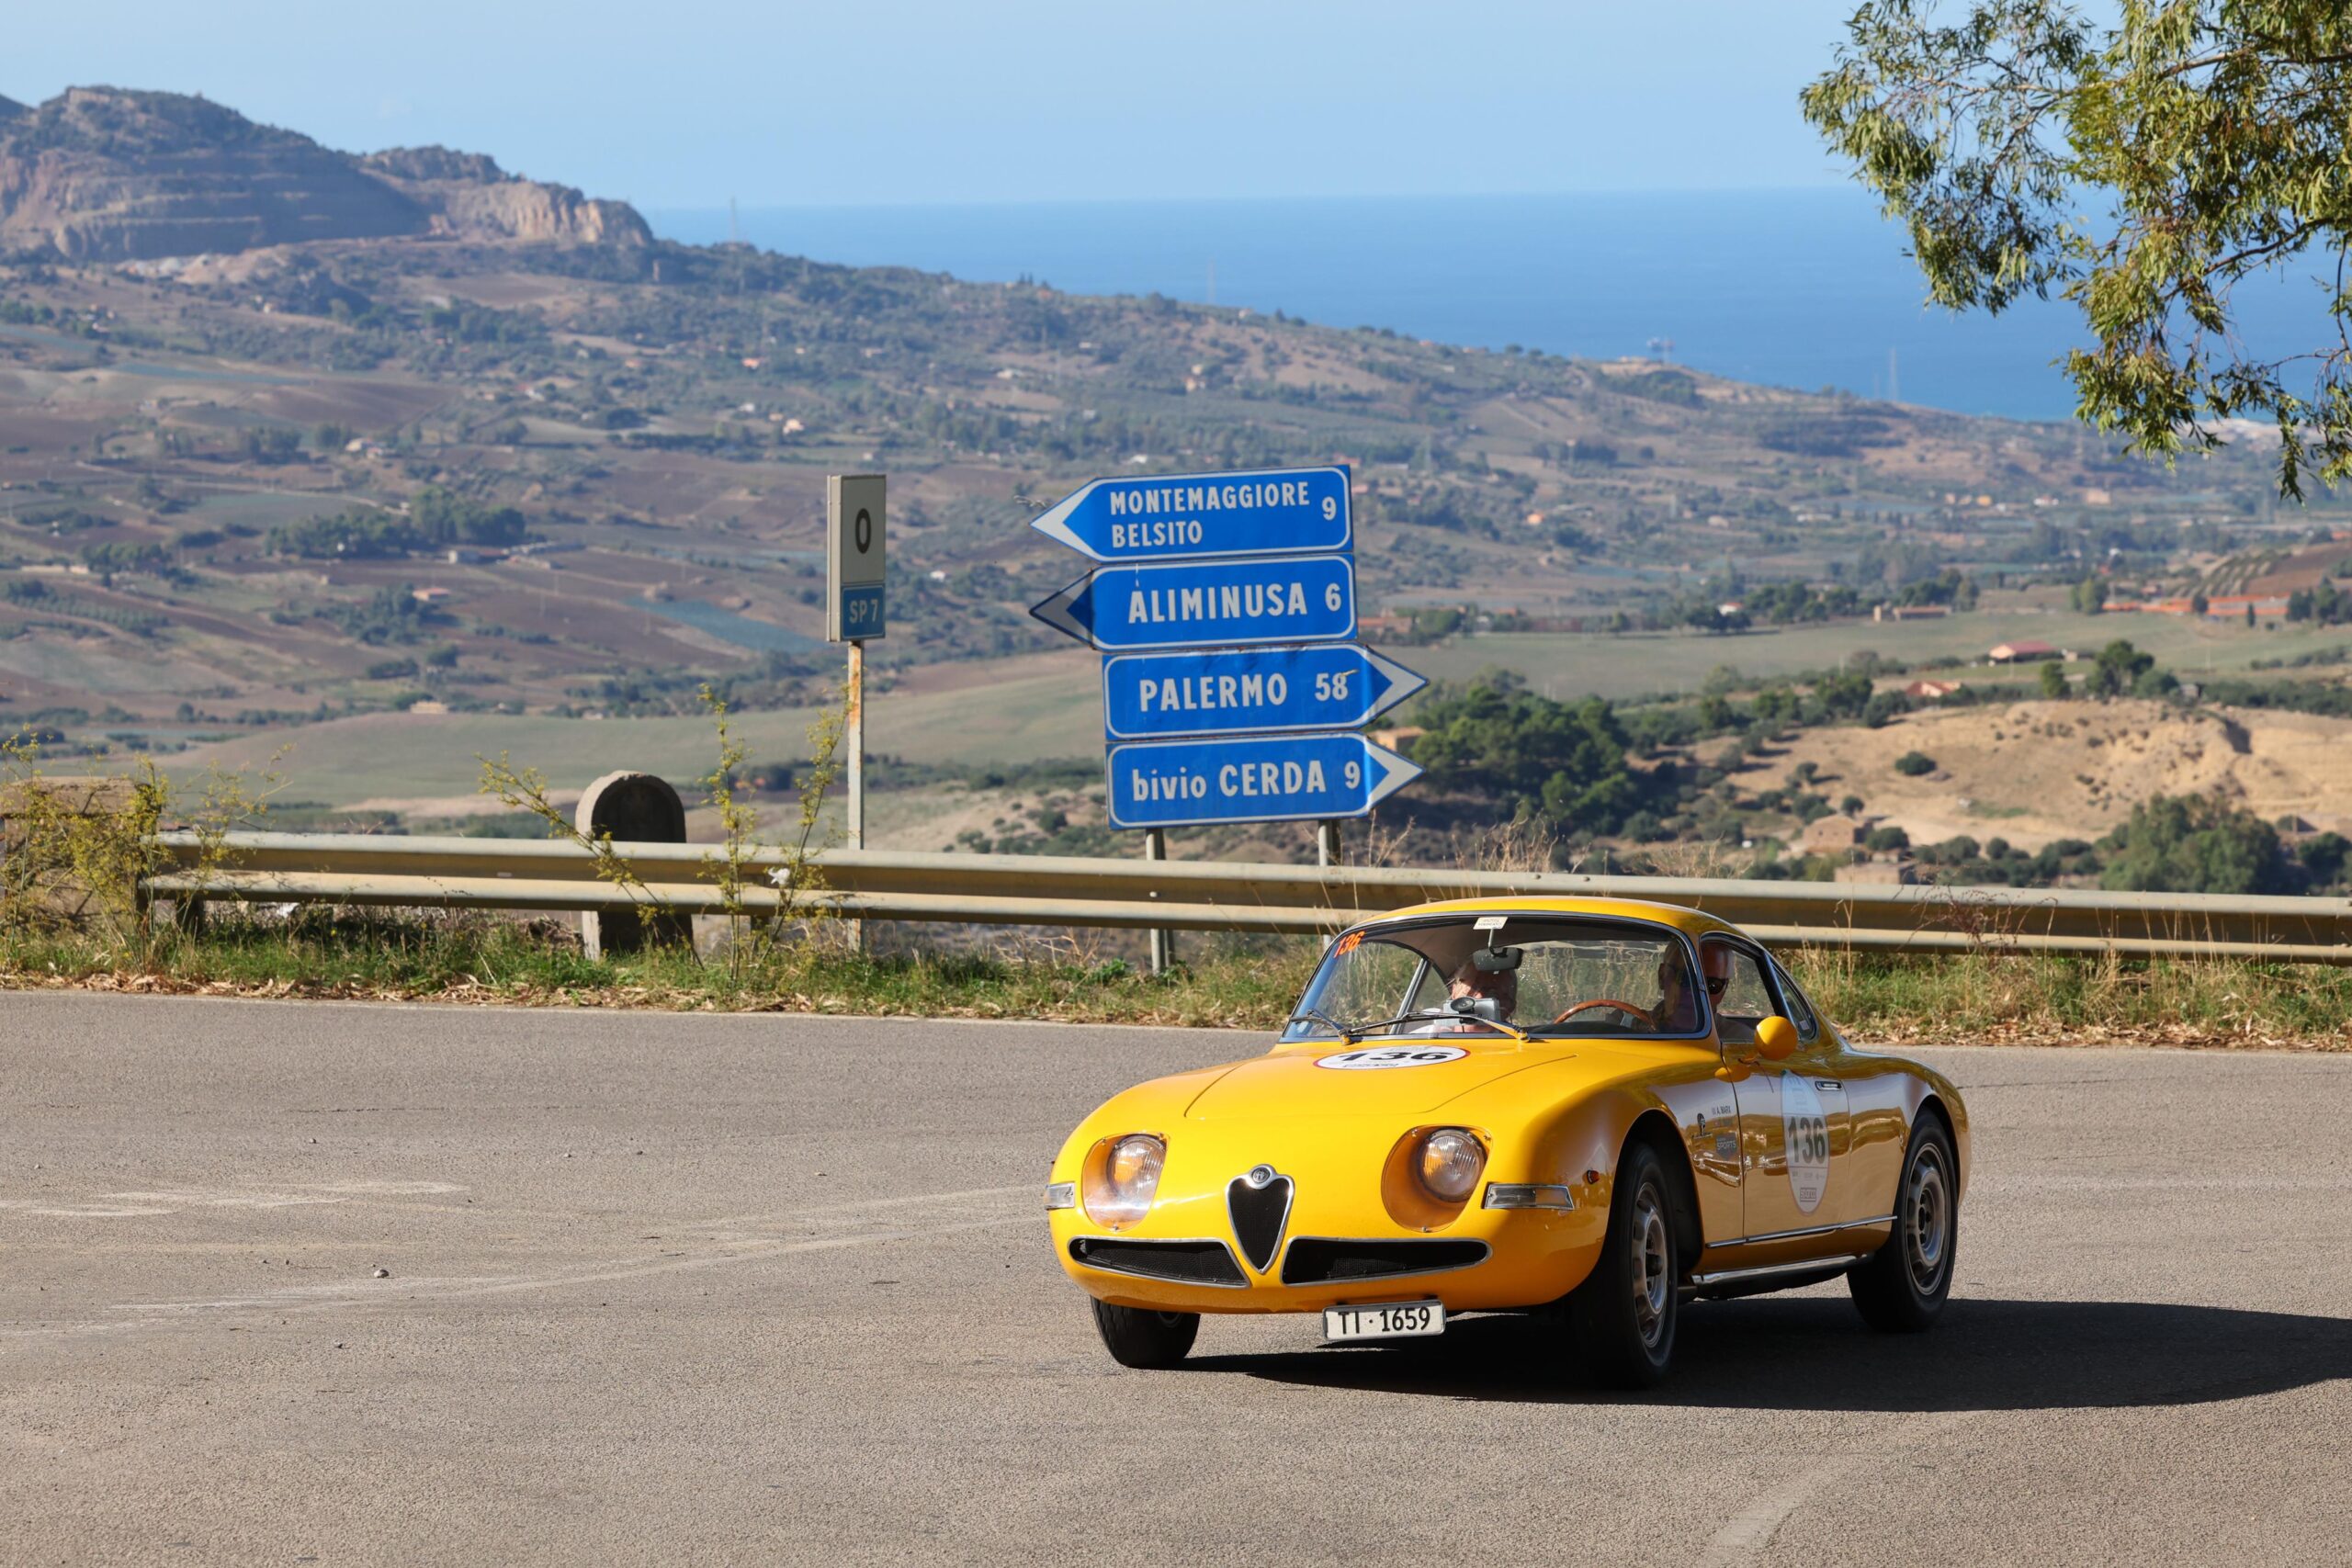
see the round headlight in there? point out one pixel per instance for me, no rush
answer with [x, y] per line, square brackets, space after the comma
[1124, 1184]
[1450, 1164]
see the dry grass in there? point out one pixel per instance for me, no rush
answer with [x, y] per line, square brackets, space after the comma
[1970, 999]
[1995, 999]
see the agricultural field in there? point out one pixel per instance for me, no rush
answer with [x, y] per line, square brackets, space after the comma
[1677, 662]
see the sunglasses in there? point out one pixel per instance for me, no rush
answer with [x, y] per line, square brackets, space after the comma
[1718, 983]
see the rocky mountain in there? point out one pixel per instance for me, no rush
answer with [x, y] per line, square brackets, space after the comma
[105, 173]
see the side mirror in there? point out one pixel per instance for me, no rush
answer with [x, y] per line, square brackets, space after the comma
[1776, 1039]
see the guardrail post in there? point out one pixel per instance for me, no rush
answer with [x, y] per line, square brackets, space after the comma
[1163, 944]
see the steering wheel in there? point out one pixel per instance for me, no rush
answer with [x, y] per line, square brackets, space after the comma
[1628, 1009]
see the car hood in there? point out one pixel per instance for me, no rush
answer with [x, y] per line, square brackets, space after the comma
[1293, 1083]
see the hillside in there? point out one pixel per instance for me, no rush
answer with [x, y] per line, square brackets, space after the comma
[288, 435]
[99, 174]
[2037, 772]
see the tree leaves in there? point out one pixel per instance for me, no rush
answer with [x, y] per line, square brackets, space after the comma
[2216, 133]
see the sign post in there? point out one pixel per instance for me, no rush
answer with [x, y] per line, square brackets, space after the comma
[855, 580]
[1163, 943]
[1225, 607]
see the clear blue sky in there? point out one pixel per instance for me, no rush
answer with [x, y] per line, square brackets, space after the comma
[779, 102]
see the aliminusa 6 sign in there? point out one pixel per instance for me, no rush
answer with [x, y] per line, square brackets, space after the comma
[1269, 778]
[1135, 609]
[1272, 512]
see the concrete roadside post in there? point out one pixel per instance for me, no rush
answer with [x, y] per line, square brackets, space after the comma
[633, 808]
[856, 573]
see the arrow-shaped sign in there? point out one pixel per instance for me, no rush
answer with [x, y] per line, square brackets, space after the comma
[1242, 691]
[1271, 511]
[1132, 609]
[1271, 778]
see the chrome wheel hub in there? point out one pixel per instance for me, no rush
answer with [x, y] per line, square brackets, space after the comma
[1927, 1219]
[1653, 1268]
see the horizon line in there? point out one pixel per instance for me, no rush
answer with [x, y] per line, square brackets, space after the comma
[721, 205]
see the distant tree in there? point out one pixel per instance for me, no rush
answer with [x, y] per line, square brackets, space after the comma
[2054, 681]
[1777, 707]
[1850, 805]
[1565, 761]
[2213, 138]
[273, 443]
[1914, 763]
[2194, 844]
[2325, 858]
[2119, 666]
[2090, 597]
[1882, 707]
[1843, 695]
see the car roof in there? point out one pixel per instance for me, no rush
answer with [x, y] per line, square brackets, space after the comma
[1681, 916]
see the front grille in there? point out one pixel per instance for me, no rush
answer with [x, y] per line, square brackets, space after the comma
[1318, 1260]
[1258, 1215]
[1193, 1262]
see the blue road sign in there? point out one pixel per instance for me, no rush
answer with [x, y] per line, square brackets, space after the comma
[861, 612]
[1271, 778]
[1275, 511]
[1136, 609]
[1242, 691]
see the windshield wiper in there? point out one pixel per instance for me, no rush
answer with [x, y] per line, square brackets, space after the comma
[1313, 1015]
[1511, 1029]
[1357, 1031]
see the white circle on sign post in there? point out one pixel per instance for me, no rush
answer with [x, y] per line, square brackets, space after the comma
[1806, 1126]
[1374, 1058]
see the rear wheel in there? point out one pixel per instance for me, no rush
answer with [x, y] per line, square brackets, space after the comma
[1145, 1339]
[1624, 1314]
[1903, 1285]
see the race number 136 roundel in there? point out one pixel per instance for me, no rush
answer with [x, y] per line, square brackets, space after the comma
[1377, 1057]
[1807, 1127]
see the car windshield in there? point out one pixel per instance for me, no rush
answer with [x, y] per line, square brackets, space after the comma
[1535, 975]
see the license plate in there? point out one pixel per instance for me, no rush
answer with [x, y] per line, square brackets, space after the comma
[1396, 1320]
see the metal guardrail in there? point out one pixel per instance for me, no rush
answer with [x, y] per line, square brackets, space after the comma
[1059, 891]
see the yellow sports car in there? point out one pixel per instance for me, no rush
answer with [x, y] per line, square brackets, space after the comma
[1596, 1106]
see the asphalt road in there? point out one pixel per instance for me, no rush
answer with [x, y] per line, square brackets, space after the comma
[671, 1290]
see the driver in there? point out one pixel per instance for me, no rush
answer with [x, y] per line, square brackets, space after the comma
[1678, 1009]
[1497, 986]
[1500, 986]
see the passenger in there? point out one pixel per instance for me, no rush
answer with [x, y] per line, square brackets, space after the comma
[1678, 1009]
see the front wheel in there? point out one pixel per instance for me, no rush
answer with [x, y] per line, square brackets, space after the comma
[1903, 1285]
[1624, 1314]
[1144, 1339]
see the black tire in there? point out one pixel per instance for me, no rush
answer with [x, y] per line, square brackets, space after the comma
[1902, 1287]
[1624, 1314]
[1145, 1340]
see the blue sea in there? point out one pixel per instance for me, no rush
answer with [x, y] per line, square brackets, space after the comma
[1804, 288]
